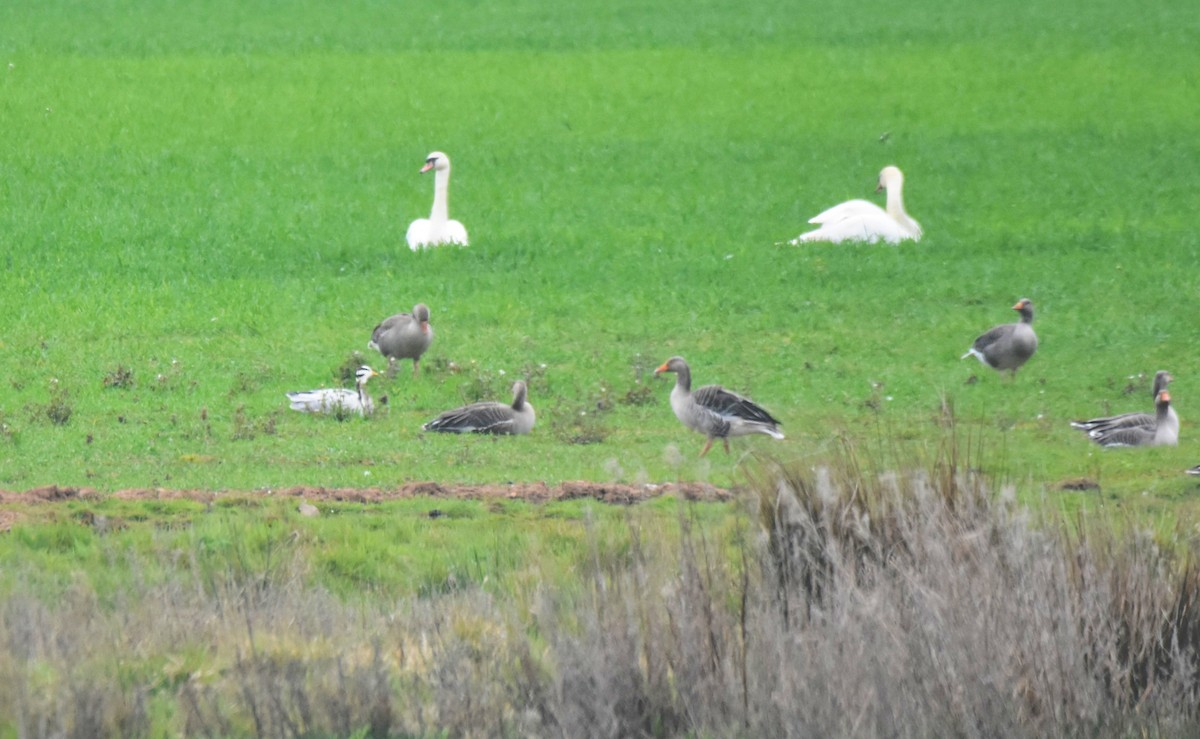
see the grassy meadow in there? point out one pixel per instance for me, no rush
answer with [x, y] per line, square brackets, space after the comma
[203, 206]
[201, 210]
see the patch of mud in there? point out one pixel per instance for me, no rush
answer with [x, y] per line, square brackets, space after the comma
[534, 492]
[1079, 483]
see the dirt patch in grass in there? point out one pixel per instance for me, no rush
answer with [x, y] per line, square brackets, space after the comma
[535, 492]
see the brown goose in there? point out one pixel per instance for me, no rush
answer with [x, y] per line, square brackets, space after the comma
[338, 401]
[488, 417]
[1163, 433]
[1162, 378]
[404, 336]
[1008, 346]
[714, 411]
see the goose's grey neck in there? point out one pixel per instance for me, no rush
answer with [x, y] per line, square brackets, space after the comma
[683, 377]
[1162, 378]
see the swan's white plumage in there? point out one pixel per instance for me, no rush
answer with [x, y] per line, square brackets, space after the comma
[424, 233]
[438, 228]
[862, 220]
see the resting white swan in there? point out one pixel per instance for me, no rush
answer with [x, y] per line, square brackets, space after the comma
[861, 220]
[437, 229]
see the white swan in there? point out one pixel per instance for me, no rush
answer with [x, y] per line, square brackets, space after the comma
[861, 220]
[437, 229]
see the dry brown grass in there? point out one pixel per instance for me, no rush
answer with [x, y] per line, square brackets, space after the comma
[908, 603]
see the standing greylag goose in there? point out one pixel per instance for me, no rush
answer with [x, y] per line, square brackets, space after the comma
[862, 220]
[1164, 432]
[1162, 378]
[403, 336]
[437, 229]
[488, 417]
[714, 411]
[1009, 346]
[337, 401]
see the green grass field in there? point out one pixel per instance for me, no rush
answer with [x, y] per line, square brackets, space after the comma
[202, 208]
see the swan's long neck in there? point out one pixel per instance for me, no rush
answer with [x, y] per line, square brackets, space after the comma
[895, 200]
[441, 205]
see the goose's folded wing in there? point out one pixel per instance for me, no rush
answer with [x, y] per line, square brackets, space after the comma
[325, 398]
[992, 336]
[1132, 436]
[1123, 421]
[729, 404]
[478, 418]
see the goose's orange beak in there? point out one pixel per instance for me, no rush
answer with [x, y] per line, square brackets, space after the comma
[428, 166]
[662, 368]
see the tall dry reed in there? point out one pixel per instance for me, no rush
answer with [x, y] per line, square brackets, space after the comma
[849, 602]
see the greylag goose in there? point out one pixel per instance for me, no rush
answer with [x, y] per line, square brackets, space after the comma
[1163, 433]
[714, 411]
[862, 220]
[488, 417]
[1009, 346]
[437, 229]
[403, 336]
[1162, 378]
[337, 401]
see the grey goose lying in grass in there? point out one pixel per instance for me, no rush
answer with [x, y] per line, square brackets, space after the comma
[1165, 431]
[403, 336]
[1094, 426]
[488, 417]
[337, 401]
[714, 411]
[1010, 345]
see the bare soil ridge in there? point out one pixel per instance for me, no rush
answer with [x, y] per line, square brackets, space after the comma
[534, 492]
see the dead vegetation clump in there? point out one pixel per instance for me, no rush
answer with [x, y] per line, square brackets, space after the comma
[848, 602]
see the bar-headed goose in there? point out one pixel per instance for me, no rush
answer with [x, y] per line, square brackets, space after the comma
[1009, 346]
[403, 336]
[862, 220]
[488, 417]
[714, 411]
[1164, 432]
[1162, 379]
[437, 229]
[337, 401]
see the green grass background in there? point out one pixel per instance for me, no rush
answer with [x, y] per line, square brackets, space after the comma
[213, 196]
